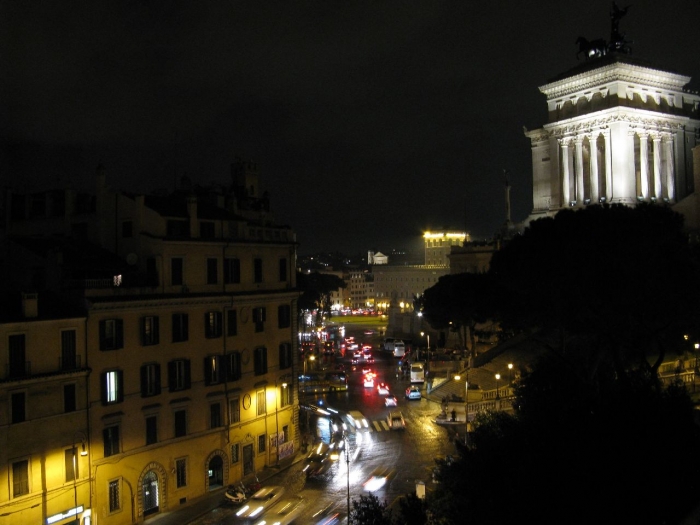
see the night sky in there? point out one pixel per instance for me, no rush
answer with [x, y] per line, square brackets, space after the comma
[371, 121]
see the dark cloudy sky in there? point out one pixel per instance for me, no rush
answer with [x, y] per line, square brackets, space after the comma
[371, 121]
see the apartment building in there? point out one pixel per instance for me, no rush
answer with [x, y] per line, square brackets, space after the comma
[189, 335]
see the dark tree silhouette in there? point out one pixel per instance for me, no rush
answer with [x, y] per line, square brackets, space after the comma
[368, 510]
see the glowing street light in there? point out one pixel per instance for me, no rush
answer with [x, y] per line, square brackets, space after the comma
[510, 373]
[498, 396]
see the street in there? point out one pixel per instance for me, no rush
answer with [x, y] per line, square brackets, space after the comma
[401, 457]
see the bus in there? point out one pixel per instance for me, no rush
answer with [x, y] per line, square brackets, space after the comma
[417, 373]
[319, 382]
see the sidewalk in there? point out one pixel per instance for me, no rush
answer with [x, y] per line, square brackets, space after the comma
[190, 511]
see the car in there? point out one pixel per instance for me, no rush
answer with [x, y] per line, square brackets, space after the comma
[368, 380]
[413, 392]
[376, 481]
[383, 389]
[284, 512]
[395, 420]
[369, 332]
[357, 354]
[328, 515]
[318, 461]
[369, 360]
[366, 369]
[260, 501]
[357, 420]
[390, 401]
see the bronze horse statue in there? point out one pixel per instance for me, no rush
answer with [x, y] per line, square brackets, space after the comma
[596, 48]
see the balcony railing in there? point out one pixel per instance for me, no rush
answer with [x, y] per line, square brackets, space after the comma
[69, 363]
[18, 370]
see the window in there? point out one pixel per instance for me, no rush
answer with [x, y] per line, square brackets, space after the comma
[150, 334]
[180, 328]
[112, 387]
[150, 380]
[262, 438]
[212, 369]
[285, 356]
[72, 464]
[114, 495]
[110, 436]
[260, 361]
[69, 399]
[231, 323]
[181, 470]
[215, 415]
[285, 394]
[176, 271]
[179, 374]
[257, 270]
[68, 357]
[234, 410]
[127, 229]
[261, 403]
[151, 430]
[111, 334]
[212, 271]
[232, 270]
[233, 366]
[259, 318]
[212, 325]
[20, 478]
[207, 230]
[152, 277]
[18, 366]
[235, 453]
[18, 405]
[284, 316]
[283, 270]
[180, 423]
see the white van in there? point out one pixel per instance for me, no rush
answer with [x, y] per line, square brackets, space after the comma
[417, 373]
[399, 349]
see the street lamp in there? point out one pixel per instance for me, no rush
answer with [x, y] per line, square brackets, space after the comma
[498, 376]
[466, 407]
[83, 453]
[510, 374]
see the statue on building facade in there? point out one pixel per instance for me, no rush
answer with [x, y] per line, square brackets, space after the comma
[617, 39]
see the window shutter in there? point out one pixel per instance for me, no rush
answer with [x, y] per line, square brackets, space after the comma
[207, 370]
[171, 376]
[103, 385]
[187, 373]
[157, 373]
[120, 386]
[102, 335]
[119, 336]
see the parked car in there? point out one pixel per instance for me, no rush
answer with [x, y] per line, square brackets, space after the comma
[413, 392]
[260, 501]
[395, 420]
[284, 512]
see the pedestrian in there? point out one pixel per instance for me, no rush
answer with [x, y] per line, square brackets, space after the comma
[454, 415]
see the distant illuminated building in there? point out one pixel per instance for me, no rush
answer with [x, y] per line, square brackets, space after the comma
[439, 244]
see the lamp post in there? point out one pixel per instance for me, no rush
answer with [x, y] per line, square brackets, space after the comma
[510, 375]
[498, 376]
[466, 407]
[347, 465]
[83, 452]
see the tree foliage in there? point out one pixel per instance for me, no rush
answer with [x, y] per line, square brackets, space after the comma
[316, 290]
[457, 302]
[368, 510]
[615, 282]
[595, 437]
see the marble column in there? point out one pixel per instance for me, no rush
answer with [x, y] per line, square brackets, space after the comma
[670, 171]
[565, 187]
[595, 182]
[643, 189]
[608, 167]
[578, 172]
[657, 167]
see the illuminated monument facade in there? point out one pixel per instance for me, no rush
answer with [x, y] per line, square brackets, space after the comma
[619, 131]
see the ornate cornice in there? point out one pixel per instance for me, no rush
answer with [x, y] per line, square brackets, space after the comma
[588, 126]
[617, 72]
